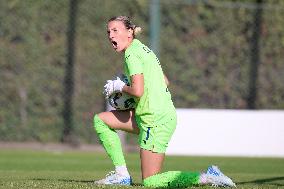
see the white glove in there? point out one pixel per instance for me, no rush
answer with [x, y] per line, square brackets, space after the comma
[113, 86]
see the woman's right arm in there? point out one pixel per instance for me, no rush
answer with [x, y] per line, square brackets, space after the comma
[137, 86]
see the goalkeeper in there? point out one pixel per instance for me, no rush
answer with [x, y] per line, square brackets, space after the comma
[154, 118]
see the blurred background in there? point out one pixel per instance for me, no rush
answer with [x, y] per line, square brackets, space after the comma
[55, 58]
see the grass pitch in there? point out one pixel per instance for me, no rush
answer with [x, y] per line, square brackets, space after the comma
[42, 169]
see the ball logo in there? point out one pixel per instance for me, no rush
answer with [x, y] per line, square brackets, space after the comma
[129, 103]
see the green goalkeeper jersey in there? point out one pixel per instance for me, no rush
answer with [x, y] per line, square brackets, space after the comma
[156, 104]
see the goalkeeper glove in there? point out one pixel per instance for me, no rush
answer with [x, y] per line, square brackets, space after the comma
[113, 86]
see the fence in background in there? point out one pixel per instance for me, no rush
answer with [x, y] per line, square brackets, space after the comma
[216, 54]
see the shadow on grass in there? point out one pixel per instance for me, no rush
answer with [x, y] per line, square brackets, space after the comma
[265, 181]
[76, 181]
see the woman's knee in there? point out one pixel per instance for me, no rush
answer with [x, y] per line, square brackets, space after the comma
[103, 116]
[98, 121]
[99, 116]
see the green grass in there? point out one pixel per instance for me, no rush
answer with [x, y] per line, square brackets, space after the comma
[41, 169]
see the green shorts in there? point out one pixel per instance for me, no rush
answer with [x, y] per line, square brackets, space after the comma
[156, 137]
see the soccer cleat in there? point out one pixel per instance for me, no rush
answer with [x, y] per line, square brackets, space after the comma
[215, 177]
[115, 178]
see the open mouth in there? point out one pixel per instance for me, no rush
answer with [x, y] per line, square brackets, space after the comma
[114, 44]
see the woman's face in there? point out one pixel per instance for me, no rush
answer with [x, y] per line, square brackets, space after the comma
[119, 36]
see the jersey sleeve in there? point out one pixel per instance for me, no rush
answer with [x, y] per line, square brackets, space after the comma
[134, 64]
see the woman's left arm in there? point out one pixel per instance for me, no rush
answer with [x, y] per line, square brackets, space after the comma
[166, 80]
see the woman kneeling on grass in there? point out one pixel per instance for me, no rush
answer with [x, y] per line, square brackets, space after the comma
[153, 119]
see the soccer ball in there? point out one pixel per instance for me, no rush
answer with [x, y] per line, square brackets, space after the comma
[121, 101]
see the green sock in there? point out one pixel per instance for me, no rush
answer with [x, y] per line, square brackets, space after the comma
[110, 141]
[172, 179]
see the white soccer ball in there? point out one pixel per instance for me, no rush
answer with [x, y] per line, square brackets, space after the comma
[121, 101]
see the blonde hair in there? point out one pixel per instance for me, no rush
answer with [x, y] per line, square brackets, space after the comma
[128, 24]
